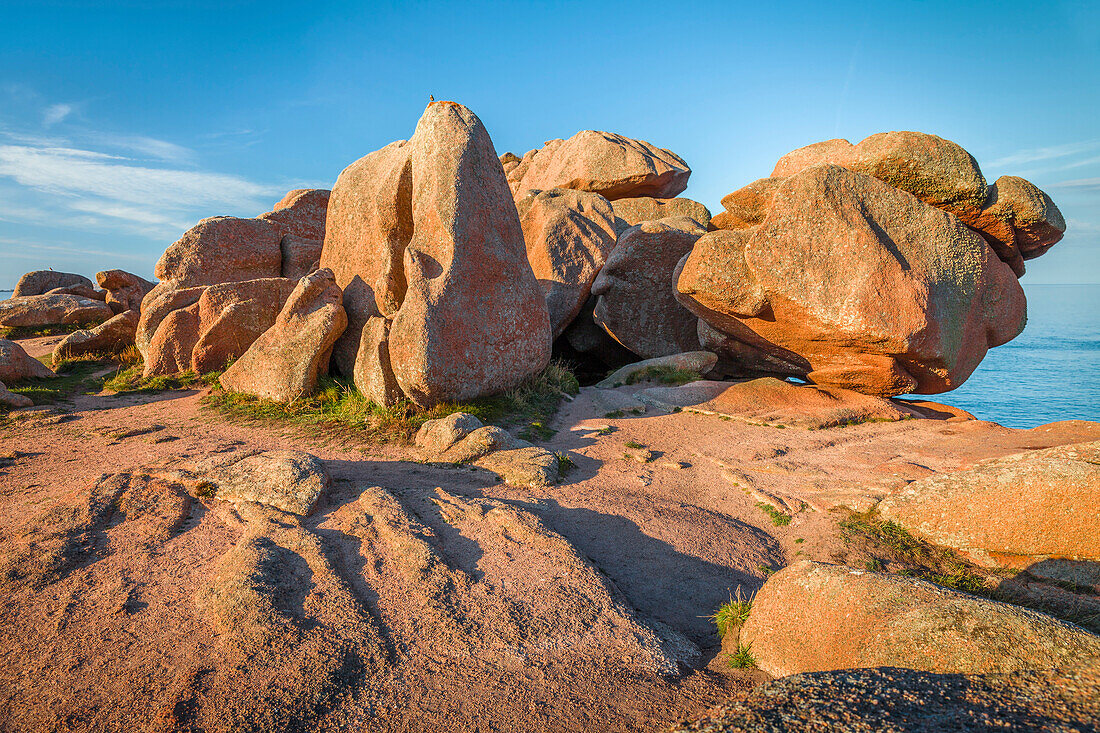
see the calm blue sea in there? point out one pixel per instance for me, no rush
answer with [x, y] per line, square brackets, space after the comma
[1049, 372]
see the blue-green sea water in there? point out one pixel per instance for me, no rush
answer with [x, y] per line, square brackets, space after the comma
[1049, 372]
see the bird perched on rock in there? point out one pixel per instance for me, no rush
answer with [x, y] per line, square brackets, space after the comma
[431, 98]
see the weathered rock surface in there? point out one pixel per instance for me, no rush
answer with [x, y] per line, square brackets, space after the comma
[1019, 221]
[569, 235]
[289, 480]
[16, 364]
[284, 362]
[747, 206]
[864, 619]
[368, 227]
[125, 291]
[882, 294]
[637, 303]
[436, 436]
[222, 249]
[528, 466]
[772, 401]
[13, 400]
[232, 316]
[372, 372]
[113, 334]
[693, 361]
[602, 162]
[894, 700]
[39, 282]
[299, 255]
[169, 351]
[52, 310]
[155, 307]
[301, 213]
[632, 211]
[473, 320]
[1013, 511]
[79, 290]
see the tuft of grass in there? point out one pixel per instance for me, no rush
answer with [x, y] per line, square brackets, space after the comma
[606, 430]
[130, 380]
[206, 490]
[742, 658]
[767, 570]
[874, 565]
[635, 445]
[732, 613]
[75, 378]
[565, 463]
[339, 408]
[665, 375]
[779, 519]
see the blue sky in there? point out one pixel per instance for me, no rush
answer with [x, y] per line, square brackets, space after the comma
[121, 124]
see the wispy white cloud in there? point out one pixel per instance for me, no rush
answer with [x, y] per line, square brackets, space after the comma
[1086, 184]
[56, 113]
[34, 251]
[1037, 155]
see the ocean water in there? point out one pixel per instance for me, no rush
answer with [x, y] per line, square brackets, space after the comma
[1049, 372]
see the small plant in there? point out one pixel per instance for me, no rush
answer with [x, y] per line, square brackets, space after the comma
[799, 540]
[873, 565]
[664, 374]
[605, 430]
[732, 613]
[206, 490]
[767, 570]
[565, 463]
[537, 430]
[634, 445]
[742, 658]
[779, 519]
[613, 415]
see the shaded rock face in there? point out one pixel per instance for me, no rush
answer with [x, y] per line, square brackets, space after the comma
[114, 334]
[125, 291]
[155, 307]
[632, 211]
[637, 303]
[301, 213]
[1012, 511]
[300, 255]
[569, 235]
[1017, 219]
[16, 364]
[601, 162]
[284, 362]
[862, 619]
[222, 249]
[882, 294]
[50, 310]
[909, 700]
[227, 318]
[426, 234]
[39, 282]
[694, 361]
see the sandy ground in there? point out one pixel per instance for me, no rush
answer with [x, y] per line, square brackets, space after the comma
[416, 596]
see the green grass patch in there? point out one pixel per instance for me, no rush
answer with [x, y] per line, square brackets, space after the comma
[73, 378]
[779, 519]
[130, 380]
[565, 463]
[742, 658]
[635, 445]
[732, 613]
[339, 408]
[665, 375]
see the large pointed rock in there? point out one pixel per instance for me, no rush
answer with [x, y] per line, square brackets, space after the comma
[611, 165]
[473, 321]
[637, 303]
[284, 362]
[860, 284]
[425, 235]
[569, 235]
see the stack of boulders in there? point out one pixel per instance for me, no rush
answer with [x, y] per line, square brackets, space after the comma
[438, 272]
[885, 267]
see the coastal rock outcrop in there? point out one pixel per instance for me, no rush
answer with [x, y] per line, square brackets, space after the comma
[285, 361]
[426, 234]
[637, 303]
[125, 290]
[16, 364]
[113, 334]
[569, 235]
[1013, 511]
[883, 294]
[222, 249]
[52, 310]
[865, 619]
[611, 165]
[39, 282]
